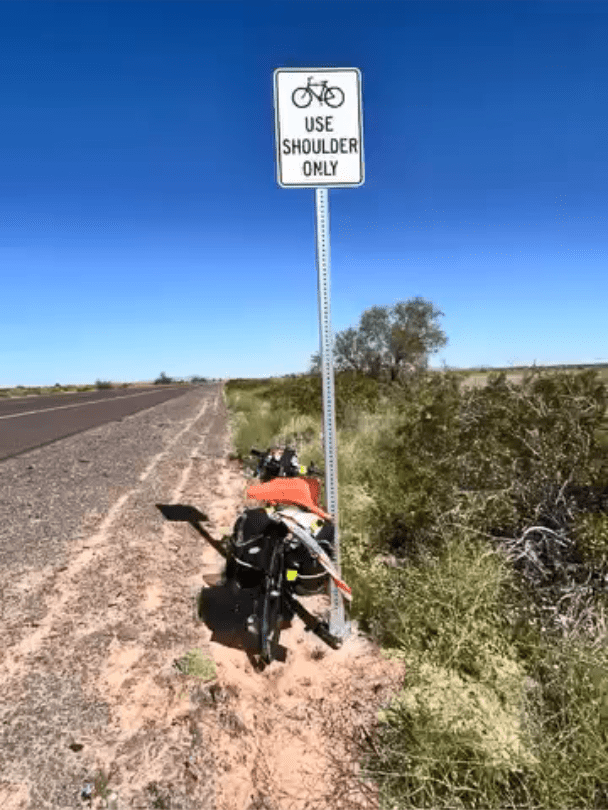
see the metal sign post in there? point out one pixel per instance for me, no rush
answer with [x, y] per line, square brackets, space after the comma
[319, 141]
[337, 625]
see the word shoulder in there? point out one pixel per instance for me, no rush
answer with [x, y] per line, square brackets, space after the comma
[320, 146]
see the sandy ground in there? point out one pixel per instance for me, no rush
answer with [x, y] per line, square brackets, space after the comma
[94, 712]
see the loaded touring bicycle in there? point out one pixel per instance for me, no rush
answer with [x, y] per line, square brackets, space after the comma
[282, 552]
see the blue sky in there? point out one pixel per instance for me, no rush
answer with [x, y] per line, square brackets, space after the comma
[142, 228]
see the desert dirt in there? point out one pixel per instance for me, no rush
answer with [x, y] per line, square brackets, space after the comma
[94, 711]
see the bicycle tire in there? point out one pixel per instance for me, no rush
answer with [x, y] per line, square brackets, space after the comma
[306, 98]
[338, 92]
[270, 613]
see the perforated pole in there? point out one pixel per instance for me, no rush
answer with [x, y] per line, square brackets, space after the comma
[338, 625]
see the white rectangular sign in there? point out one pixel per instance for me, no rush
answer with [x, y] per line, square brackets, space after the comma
[318, 127]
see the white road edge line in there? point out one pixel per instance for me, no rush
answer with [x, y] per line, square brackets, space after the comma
[80, 404]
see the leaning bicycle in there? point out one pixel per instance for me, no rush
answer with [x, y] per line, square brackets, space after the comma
[283, 552]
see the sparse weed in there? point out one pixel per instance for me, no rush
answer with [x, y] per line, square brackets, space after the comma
[197, 665]
[100, 784]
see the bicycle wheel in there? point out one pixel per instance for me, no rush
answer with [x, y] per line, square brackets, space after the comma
[301, 97]
[334, 97]
[270, 608]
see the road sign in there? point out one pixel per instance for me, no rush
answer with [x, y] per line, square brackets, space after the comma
[318, 127]
[319, 141]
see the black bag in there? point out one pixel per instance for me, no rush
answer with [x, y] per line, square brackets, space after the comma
[289, 467]
[286, 466]
[270, 467]
[251, 546]
[312, 577]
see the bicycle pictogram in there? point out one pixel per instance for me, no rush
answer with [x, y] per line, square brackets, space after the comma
[332, 96]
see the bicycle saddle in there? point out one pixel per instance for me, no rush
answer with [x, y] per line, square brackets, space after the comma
[299, 491]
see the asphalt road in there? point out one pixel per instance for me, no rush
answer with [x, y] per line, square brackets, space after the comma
[98, 494]
[30, 422]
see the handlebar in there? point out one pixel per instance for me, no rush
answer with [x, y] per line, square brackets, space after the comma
[311, 470]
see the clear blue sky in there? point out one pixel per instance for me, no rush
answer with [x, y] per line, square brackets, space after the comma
[142, 228]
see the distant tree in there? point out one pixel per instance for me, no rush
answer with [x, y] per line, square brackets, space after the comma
[163, 379]
[389, 340]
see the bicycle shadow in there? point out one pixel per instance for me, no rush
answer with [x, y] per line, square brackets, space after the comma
[224, 609]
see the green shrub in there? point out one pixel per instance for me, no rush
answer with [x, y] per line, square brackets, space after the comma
[447, 740]
[304, 395]
[499, 708]
[494, 458]
[591, 537]
[447, 606]
[570, 714]
[254, 423]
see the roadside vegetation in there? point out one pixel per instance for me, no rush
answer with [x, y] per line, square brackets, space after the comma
[25, 391]
[100, 385]
[474, 533]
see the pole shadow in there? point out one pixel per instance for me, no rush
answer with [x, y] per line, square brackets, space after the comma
[184, 513]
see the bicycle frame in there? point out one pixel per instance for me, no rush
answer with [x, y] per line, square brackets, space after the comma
[275, 591]
[322, 84]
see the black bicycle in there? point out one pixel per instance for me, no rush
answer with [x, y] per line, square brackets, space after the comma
[273, 607]
[302, 96]
[282, 554]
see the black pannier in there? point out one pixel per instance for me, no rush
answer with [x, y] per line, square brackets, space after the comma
[289, 466]
[312, 577]
[251, 546]
[274, 466]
